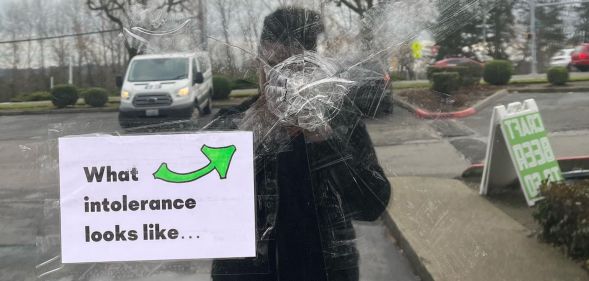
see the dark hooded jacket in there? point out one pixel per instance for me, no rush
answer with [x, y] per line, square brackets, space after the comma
[308, 193]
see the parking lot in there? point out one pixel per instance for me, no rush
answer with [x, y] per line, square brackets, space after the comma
[29, 218]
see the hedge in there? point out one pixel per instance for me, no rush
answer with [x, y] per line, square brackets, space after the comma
[221, 88]
[498, 72]
[558, 76]
[564, 217]
[36, 96]
[96, 97]
[446, 82]
[239, 84]
[64, 95]
[470, 74]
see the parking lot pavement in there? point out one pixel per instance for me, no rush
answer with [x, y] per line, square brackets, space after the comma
[560, 111]
[28, 221]
[565, 116]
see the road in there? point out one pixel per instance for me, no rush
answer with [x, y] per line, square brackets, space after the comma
[405, 141]
[29, 217]
[565, 116]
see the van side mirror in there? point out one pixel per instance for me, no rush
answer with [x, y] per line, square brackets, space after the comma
[198, 78]
[119, 81]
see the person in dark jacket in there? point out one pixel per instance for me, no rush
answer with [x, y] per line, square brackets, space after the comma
[310, 185]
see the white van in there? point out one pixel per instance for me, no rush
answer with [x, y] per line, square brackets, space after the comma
[165, 86]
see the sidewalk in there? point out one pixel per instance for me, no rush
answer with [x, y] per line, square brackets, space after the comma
[447, 230]
[450, 233]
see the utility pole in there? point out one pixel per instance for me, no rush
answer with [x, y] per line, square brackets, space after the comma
[533, 34]
[202, 23]
[70, 79]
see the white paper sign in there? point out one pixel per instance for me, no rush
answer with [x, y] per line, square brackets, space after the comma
[157, 197]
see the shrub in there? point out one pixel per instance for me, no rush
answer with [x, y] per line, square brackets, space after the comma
[36, 96]
[39, 96]
[397, 76]
[564, 216]
[558, 76]
[96, 97]
[64, 95]
[221, 88]
[470, 74]
[82, 92]
[243, 84]
[498, 72]
[446, 82]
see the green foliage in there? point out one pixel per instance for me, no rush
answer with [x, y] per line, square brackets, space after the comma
[240, 84]
[470, 74]
[221, 88]
[82, 92]
[433, 70]
[551, 35]
[445, 82]
[500, 27]
[95, 97]
[36, 96]
[64, 95]
[398, 76]
[564, 216]
[498, 72]
[558, 76]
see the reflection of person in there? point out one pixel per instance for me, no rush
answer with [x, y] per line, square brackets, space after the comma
[309, 188]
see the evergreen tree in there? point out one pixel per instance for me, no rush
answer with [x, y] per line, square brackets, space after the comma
[489, 21]
[501, 26]
[459, 26]
[550, 33]
[582, 27]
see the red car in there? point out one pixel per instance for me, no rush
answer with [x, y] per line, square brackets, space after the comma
[580, 57]
[449, 62]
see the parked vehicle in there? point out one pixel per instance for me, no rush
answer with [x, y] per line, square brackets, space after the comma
[562, 58]
[580, 57]
[168, 87]
[450, 62]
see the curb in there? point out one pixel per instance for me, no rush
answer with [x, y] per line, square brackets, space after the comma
[219, 105]
[550, 90]
[424, 114]
[416, 262]
[566, 164]
[56, 111]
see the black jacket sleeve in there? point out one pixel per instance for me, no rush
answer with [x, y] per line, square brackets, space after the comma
[353, 170]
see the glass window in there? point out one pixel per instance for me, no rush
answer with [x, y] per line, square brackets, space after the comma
[144, 70]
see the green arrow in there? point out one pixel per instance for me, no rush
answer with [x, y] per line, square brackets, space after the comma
[219, 157]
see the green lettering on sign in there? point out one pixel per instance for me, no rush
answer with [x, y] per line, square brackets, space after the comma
[532, 154]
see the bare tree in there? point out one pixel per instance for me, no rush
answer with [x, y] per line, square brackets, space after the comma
[13, 28]
[360, 7]
[40, 17]
[118, 11]
[222, 7]
[57, 25]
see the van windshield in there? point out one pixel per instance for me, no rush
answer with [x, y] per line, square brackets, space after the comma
[158, 69]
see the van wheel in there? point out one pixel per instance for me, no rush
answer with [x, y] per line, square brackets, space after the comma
[208, 109]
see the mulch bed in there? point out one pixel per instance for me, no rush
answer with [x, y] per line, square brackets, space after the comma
[439, 102]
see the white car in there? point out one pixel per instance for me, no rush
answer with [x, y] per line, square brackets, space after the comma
[562, 58]
[164, 87]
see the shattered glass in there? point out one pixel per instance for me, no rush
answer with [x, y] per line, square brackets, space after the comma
[316, 170]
